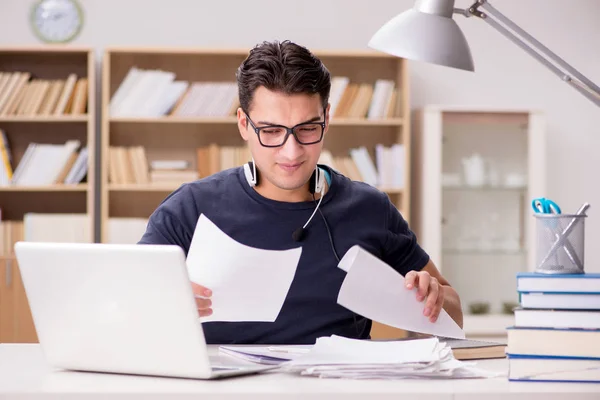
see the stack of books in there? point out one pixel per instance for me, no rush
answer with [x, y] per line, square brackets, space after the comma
[556, 335]
[172, 171]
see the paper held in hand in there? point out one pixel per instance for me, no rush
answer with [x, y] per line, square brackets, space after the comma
[376, 291]
[248, 284]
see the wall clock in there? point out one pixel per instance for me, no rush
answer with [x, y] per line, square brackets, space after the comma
[56, 21]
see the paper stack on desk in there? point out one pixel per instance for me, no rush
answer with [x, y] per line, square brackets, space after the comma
[339, 357]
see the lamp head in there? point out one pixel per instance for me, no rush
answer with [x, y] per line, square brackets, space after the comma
[426, 33]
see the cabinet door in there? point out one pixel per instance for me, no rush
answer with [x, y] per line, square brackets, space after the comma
[24, 327]
[7, 300]
[16, 323]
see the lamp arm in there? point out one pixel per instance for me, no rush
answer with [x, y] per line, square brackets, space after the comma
[580, 83]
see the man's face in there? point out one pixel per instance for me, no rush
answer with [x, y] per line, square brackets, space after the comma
[290, 166]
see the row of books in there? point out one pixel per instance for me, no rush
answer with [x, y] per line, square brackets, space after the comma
[23, 94]
[350, 99]
[556, 334]
[44, 227]
[386, 171]
[43, 164]
[130, 165]
[155, 92]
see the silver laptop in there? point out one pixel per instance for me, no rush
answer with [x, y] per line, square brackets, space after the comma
[118, 308]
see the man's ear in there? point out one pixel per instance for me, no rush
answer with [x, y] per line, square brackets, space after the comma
[242, 123]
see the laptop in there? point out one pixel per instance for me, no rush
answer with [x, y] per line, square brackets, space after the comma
[119, 308]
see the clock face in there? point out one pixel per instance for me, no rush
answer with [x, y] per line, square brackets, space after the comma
[57, 21]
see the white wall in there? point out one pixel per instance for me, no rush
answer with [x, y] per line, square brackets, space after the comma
[505, 75]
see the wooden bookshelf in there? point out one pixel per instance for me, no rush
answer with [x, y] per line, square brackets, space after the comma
[174, 135]
[54, 121]
[47, 99]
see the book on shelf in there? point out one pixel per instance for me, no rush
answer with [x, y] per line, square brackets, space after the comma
[156, 92]
[6, 169]
[214, 158]
[44, 164]
[350, 99]
[556, 333]
[386, 171]
[22, 94]
[128, 164]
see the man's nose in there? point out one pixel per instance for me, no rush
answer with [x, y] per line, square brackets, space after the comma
[291, 149]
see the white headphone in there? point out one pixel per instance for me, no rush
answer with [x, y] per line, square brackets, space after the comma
[317, 179]
[316, 185]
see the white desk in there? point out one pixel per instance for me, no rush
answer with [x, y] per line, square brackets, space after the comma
[24, 375]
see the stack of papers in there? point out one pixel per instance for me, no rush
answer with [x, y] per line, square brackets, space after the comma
[339, 357]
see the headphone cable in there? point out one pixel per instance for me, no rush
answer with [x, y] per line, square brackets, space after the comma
[336, 256]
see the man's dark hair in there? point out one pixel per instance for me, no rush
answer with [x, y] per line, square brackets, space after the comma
[282, 67]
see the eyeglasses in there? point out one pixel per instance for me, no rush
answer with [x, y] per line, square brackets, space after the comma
[276, 135]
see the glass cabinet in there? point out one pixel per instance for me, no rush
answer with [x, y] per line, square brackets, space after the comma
[475, 172]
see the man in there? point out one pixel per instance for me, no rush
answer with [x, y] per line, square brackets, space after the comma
[284, 117]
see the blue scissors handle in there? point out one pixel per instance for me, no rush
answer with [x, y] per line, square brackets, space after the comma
[545, 206]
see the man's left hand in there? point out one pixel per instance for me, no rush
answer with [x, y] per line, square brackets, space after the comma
[429, 289]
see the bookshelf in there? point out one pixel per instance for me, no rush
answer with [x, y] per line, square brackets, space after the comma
[46, 123]
[191, 119]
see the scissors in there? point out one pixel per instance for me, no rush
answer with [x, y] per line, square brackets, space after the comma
[543, 205]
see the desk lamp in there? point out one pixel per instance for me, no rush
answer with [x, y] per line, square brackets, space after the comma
[428, 33]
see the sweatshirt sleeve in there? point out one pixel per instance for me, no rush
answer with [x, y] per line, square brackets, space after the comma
[402, 250]
[169, 223]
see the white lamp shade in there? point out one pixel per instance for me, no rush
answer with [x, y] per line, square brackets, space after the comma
[420, 36]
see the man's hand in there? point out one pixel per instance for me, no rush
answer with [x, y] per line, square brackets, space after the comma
[203, 302]
[428, 287]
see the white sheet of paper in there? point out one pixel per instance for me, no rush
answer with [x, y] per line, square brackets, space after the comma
[376, 291]
[340, 350]
[248, 284]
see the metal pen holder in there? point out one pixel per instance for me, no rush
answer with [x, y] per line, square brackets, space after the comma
[560, 243]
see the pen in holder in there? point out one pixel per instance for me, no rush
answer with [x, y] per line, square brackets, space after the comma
[560, 242]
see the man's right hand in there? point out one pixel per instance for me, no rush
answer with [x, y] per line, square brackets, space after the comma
[203, 302]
